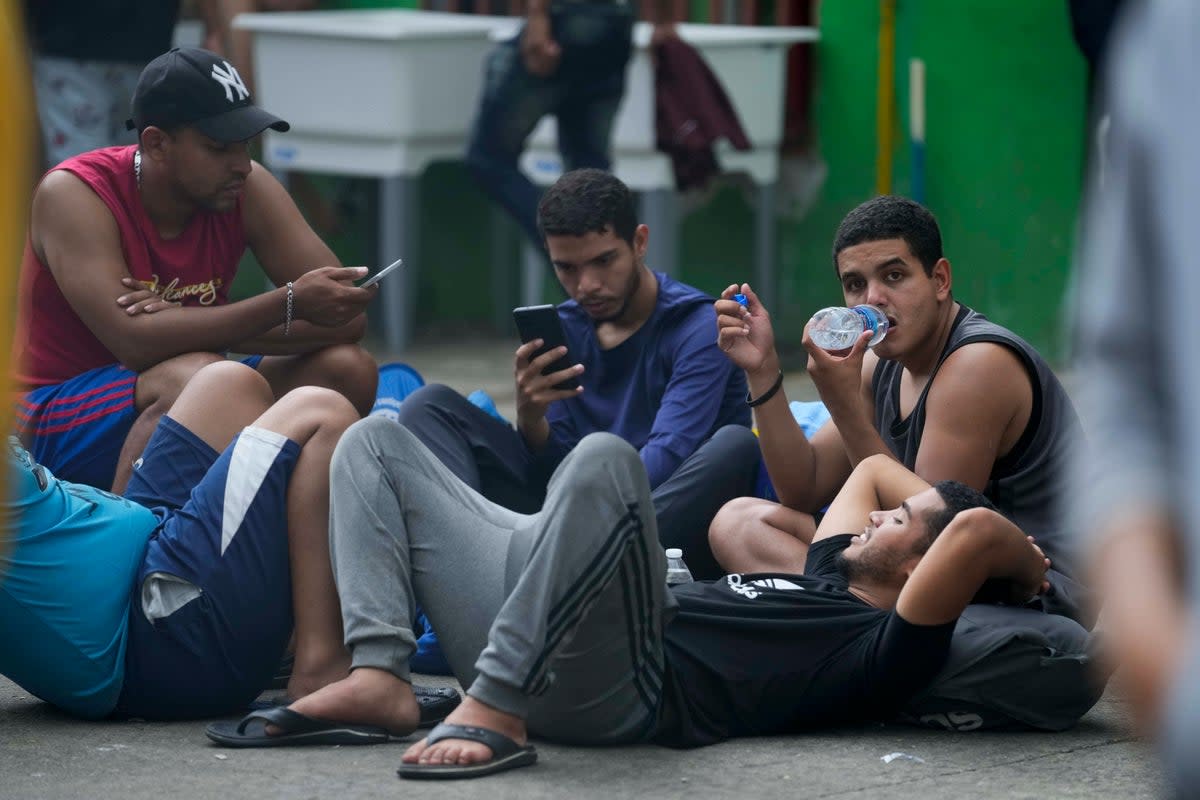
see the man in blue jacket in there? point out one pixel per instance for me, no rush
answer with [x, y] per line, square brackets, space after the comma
[648, 368]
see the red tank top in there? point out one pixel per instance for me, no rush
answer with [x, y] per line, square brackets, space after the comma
[195, 268]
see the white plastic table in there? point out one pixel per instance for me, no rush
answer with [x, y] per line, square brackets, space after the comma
[379, 94]
[385, 93]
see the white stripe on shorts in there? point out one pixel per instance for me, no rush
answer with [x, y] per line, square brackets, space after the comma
[253, 454]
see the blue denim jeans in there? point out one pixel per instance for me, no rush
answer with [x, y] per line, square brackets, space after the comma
[583, 94]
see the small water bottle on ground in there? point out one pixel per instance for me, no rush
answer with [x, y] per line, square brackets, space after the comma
[677, 571]
[838, 328]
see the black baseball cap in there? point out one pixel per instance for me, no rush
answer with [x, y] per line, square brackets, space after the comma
[200, 89]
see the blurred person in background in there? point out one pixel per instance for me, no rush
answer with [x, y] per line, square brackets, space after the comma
[568, 60]
[326, 214]
[1135, 502]
[87, 56]
[236, 44]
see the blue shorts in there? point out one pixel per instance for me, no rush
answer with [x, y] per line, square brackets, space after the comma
[212, 605]
[76, 428]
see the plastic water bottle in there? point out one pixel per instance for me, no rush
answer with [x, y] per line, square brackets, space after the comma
[838, 328]
[677, 571]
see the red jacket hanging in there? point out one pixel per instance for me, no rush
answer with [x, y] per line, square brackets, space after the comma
[692, 111]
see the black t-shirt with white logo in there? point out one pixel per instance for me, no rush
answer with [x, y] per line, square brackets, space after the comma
[767, 654]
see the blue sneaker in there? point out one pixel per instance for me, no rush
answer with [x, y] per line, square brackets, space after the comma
[396, 382]
[484, 400]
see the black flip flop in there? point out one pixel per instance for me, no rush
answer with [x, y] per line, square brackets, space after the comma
[299, 729]
[506, 755]
[296, 729]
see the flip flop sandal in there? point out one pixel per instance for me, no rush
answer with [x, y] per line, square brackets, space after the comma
[296, 729]
[506, 755]
[300, 729]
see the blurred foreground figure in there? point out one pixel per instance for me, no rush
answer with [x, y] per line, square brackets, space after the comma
[1136, 501]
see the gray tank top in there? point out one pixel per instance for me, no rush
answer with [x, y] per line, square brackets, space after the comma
[1028, 483]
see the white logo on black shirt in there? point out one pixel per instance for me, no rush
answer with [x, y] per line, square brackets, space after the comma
[751, 589]
[230, 80]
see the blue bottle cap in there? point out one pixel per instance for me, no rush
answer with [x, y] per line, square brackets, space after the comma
[741, 298]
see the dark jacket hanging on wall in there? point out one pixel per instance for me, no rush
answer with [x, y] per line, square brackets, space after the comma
[692, 111]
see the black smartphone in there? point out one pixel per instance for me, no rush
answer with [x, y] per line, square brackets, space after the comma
[542, 322]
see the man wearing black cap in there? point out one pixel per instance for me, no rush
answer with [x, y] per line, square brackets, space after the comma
[127, 268]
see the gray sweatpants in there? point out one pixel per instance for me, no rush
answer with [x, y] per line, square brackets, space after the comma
[556, 616]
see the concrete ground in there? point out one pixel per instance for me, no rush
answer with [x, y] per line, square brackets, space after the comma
[47, 755]
[44, 754]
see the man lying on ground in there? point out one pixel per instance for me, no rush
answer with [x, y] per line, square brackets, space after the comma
[178, 599]
[124, 288]
[561, 623]
[648, 368]
[947, 393]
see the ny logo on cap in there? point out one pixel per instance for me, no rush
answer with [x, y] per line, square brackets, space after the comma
[230, 80]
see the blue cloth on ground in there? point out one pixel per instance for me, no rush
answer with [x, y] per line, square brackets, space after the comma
[484, 400]
[429, 658]
[397, 381]
[811, 416]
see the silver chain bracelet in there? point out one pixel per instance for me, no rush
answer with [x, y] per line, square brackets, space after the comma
[291, 299]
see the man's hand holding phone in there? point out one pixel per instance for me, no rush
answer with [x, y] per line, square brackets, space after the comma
[327, 296]
[535, 391]
[542, 370]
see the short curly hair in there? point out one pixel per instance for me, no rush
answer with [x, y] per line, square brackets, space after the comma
[587, 201]
[892, 217]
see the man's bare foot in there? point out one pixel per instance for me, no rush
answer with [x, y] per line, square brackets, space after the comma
[309, 677]
[368, 697]
[460, 751]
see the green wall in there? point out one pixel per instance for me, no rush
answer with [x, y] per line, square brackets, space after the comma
[1005, 98]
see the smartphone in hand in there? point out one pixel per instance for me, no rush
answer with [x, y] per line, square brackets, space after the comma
[378, 276]
[542, 322]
